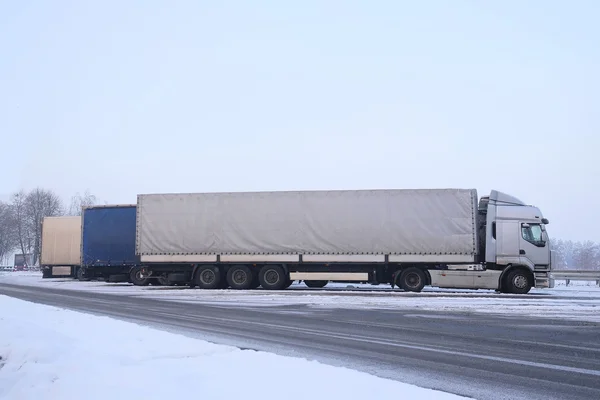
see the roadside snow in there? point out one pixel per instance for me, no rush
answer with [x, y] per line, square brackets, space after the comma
[51, 353]
[577, 302]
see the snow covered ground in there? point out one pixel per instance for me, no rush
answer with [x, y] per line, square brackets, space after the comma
[51, 353]
[580, 301]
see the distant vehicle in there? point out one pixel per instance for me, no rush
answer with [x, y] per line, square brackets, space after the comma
[6, 268]
[408, 238]
[22, 262]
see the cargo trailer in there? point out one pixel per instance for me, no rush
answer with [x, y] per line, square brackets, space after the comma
[406, 238]
[108, 243]
[61, 246]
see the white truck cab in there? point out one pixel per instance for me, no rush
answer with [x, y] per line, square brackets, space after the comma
[516, 237]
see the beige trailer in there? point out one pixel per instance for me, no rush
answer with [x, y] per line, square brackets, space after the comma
[61, 246]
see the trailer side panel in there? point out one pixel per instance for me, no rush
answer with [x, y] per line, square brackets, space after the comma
[366, 222]
[108, 236]
[61, 241]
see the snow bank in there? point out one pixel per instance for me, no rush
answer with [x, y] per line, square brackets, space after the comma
[51, 353]
[579, 303]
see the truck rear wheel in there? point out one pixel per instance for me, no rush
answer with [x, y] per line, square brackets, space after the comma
[272, 277]
[316, 284]
[239, 277]
[209, 277]
[412, 280]
[137, 279]
[518, 282]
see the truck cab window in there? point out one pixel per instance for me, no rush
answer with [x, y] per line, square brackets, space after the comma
[532, 233]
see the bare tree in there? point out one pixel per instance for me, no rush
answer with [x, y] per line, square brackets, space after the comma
[8, 231]
[40, 203]
[564, 253]
[78, 201]
[20, 215]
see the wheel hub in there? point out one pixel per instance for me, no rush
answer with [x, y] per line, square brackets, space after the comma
[520, 281]
[271, 277]
[413, 280]
[239, 277]
[207, 277]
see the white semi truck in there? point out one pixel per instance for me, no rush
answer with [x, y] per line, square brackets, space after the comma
[445, 238]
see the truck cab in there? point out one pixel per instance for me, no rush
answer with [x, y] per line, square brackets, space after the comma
[516, 238]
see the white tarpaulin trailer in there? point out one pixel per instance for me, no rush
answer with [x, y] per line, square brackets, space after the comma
[436, 222]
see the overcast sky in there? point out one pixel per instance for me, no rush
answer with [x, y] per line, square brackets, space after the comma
[127, 97]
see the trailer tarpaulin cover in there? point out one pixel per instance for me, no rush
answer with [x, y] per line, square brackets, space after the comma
[428, 221]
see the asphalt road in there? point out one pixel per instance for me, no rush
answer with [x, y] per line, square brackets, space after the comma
[479, 356]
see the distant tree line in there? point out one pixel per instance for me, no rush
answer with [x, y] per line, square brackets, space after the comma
[577, 255]
[21, 218]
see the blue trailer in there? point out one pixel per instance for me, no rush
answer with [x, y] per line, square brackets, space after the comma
[108, 244]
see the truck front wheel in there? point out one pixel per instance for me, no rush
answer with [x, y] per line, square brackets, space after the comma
[412, 280]
[272, 277]
[518, 282]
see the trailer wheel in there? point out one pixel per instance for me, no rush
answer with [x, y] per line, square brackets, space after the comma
[136, 278]
[412, 280]
[272, 277]
[518, 282]
[209, 277]
[239, 277]
[316, 284]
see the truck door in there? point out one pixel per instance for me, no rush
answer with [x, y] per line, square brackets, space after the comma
[533, 244]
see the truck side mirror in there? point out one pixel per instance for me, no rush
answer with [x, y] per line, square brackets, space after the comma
[545, 221]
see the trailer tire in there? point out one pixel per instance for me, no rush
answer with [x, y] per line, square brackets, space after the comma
[239, 277]
[412, 280]
[316, 284]
[518, 281]
[272, 277]
[209, 277]
[136, 279]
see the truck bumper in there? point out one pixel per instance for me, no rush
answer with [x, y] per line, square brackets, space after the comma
[543, 278]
